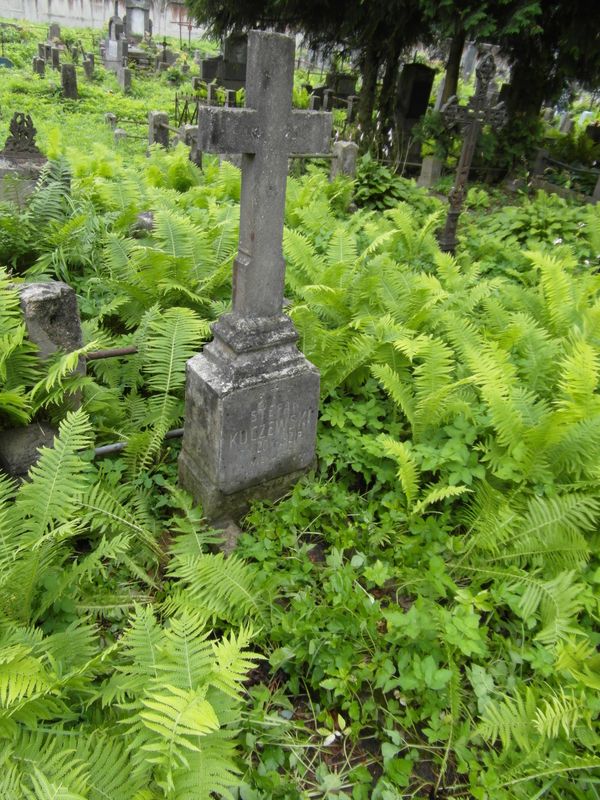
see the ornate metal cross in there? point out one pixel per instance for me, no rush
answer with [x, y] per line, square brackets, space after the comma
[266, 132]
[20, 144]
[470, 119]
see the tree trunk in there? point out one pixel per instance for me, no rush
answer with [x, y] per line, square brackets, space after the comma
[453, 65]
[387, 98]
[368, 68]
[529, 86]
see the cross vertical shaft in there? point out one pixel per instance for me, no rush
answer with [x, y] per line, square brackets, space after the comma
[471, 119]
[266, 132]
[270, 80]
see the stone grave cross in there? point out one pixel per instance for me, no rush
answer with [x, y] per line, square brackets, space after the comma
[266, 132]
[470, 119]
[251, 396]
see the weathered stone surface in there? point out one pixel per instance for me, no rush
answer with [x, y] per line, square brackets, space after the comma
[189, 136]
[17, 182]
[250, 424]
[137, 18]
[265, 132]
[124, 76]
[55, 52]
[157, 132]
[51, 316]
[54, 32]
[566, 124]
[414, 89]
[115, 54]
[21, 161]
[68, 77]
[251, 396]
[431, 171]
[39, 66]
[345, 155]
[19, 446]
[230, 534]
[143, 225]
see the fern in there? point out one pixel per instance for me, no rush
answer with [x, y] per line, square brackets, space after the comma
[216, 586]
[528, 720]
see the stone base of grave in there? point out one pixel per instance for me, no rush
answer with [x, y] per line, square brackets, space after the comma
[18, 179]
[250, 419]
[19, 447]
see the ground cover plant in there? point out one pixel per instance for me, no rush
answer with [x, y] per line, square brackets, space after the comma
[419, 618]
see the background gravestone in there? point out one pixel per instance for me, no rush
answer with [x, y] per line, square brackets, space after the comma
[345, 155]
[88, 68]
[228, 69]
[414, 89]
[158, 132]
[137, 19]
[51, 317]
[431, 172]
[68, 76]
[39, 66]
[20, 161]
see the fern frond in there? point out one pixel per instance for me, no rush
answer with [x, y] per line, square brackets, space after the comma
[400, 391]
[59, 477]
[223, 587]
[408, 471]
[341, 248]
[437, 493]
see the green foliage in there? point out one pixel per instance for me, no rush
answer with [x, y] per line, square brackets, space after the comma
[167, 690]
[427, 602]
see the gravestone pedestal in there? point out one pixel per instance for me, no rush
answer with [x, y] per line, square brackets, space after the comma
[345, 155]
[431, 172]
[251, 414]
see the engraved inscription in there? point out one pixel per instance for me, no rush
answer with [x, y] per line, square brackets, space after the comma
[273, 424]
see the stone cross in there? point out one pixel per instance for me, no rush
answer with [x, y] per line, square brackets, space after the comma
[251, 396]
[266, 132]
[470, 119]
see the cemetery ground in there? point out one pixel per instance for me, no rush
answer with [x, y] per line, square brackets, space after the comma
[419, 616]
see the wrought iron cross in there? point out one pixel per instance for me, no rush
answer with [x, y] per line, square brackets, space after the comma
[470, 119]
[266, 132]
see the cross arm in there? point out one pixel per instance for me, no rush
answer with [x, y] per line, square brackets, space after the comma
[227, 130]
[309, 132]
